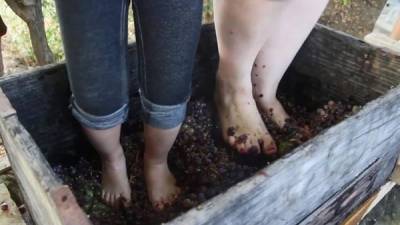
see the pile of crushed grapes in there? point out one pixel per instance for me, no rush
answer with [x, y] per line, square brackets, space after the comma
[203, 165]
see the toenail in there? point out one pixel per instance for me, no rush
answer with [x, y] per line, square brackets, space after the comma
[271, 149]
[242, 139]
[253, 150]
[231, 131]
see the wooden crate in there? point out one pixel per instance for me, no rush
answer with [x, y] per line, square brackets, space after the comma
[320, 182]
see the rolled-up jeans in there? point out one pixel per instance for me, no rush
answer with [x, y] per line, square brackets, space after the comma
[94, 34]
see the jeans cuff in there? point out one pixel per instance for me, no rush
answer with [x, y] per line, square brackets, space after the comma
[99, 122]
[163, 116]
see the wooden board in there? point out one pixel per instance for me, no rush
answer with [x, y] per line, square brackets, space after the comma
[291, 190]
[4, 163]
[39, 185]
[339, 65]
[9, 213]
[366, 207]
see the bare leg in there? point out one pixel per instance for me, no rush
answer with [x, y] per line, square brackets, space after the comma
[291, 30]
[116, 189]
[160, 182]
[241, 27]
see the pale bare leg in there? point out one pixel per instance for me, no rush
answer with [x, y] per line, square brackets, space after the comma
[241, 28]
[115, 184]
[161, 184]
[291, 30]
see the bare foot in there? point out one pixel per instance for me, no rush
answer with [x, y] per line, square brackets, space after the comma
[116, 190]
[241, 123]
[161, 184]
[273, 108]
[265, 87]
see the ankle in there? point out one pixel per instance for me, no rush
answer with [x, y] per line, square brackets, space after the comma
[112, 157]
[270, 101]
[231, 73]
[151, 158]
[227, 87]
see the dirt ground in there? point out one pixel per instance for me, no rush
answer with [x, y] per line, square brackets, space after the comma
[356, 18]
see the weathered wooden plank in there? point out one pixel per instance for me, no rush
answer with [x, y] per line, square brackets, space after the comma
[395, 177]
[337, 209]
[356, 217]
[289, 190]
[5, 107]
[340, 65]
[68, 208]
[9, 213]
[4, 163]
[35, 177]
[42, 105]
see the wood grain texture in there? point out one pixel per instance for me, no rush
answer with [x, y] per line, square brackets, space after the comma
[358, 214]
[289, 190]
[340, 65]
[68, 208]
[4, 164]
[34, 175]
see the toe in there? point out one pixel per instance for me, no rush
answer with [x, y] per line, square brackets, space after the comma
[231, 140]
[125, 202]
[103, 195]
[240, 147]
[158, 206]
[272, 149]
[268, 146]
[113, 201]
[173, 197]
[167, 202]
[107, 198]
[254, 150]
[253, 147]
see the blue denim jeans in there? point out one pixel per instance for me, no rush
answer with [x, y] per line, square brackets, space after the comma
[94, 34]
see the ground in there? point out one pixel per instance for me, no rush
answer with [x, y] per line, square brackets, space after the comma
[356, 18]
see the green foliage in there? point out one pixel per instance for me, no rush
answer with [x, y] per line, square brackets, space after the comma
[345, 2]
[17, 41]
[52, 29]
[208, 11]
